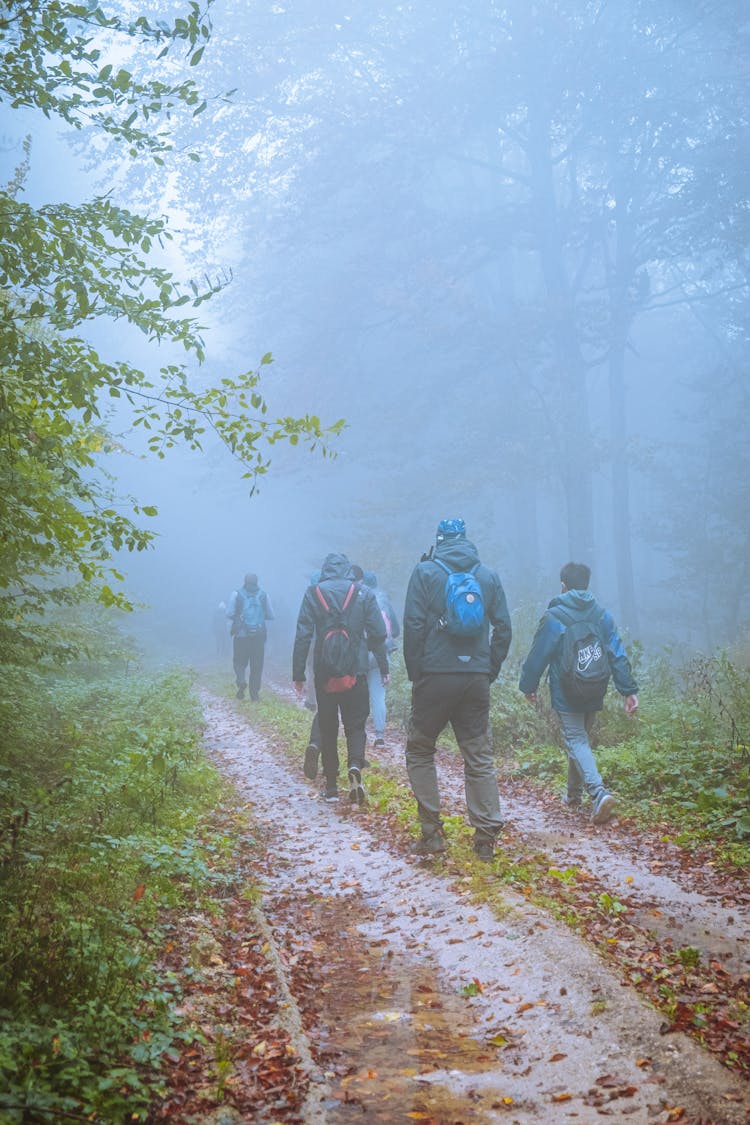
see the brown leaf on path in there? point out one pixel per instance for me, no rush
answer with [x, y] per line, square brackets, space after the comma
[561, 1097]
[557, 1056]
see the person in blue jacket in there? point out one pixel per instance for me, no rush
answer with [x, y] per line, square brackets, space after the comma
[576, 603]
[451, 676]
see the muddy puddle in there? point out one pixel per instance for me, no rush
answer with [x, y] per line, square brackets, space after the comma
[392, 1039]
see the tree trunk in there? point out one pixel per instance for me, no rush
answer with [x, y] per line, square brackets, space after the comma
[576, 469]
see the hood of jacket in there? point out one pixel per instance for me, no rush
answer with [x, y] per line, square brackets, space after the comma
[574, 601]
[458, 554]
[336, 566]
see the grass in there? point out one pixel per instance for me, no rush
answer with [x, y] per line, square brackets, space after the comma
[111, 821]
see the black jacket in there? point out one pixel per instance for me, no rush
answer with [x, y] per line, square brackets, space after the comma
[363, 616]
[428, 648]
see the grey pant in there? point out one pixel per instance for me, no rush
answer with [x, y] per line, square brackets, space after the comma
[463, 700]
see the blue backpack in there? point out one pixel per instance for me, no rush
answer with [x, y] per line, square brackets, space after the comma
[464, 606]
[250, 611]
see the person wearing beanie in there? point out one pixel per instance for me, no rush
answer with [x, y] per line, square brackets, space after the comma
[457, 633]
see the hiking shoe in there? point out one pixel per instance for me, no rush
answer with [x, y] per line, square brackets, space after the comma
[241, 692]
[310, 768]
[330, 794]
[432, 844]
[572, 803]
[356, 788]
[379, 743]
[484, 848]
[604, 809]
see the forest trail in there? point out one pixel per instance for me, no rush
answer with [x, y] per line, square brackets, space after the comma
[403, 997]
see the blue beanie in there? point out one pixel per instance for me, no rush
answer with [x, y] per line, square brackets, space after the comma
[450, 529]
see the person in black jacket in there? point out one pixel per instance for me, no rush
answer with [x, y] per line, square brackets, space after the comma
[451, 676]
[338, 601]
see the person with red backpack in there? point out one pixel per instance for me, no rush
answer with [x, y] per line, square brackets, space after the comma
[343, 617]
[578, 641]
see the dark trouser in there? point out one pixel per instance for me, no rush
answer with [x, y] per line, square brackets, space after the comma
[354, 707]
[249, 650]
[463, 700]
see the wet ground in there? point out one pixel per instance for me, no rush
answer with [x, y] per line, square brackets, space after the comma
[413, 1002]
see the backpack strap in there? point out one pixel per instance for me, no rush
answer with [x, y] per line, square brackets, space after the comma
[324, 603]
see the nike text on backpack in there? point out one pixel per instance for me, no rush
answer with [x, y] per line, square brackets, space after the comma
[248, 612]
[464, 607]
[584, 668]
[338, 650]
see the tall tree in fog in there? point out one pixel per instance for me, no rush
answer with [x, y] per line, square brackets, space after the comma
[493, 203]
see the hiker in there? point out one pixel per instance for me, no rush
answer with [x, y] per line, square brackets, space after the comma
[345, 621]
[220, 630]
[374, 681]
[578, 640]
[457, 633]
[248, 610]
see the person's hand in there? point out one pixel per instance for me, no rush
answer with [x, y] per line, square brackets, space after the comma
[631, 704]
[386, 679]
[531, 696]
[299, 687]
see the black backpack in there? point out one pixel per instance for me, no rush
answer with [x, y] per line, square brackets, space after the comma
[337, 653]
[584, 668]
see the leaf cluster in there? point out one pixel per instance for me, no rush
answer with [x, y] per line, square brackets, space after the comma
[65, 267]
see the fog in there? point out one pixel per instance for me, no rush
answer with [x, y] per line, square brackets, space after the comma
[509, 245]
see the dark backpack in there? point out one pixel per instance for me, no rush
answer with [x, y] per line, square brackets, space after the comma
[464, 606]
[337, 653]
[249, 612]
[584, 668]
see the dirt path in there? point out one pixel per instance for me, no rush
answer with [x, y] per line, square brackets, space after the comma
[411, 1001]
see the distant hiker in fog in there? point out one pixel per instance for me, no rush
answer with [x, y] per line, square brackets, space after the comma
[343, 618]
[249, 609]
[457, 633]
[374, 680]
[221, 629]
[578, 640]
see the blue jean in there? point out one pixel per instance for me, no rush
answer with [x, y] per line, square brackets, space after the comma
[377, 696]
[582, 769]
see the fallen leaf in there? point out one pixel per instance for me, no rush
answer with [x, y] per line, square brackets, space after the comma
[139, 892]
[561, 1097]
[557, 1056]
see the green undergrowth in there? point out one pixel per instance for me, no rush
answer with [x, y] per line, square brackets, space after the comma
[110, 824]
[681, 767]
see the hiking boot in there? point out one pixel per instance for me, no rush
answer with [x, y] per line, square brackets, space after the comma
[484, 848]
[356, 788]
[241, 691]
[572, 803]
[329, 794]
[379, 743]
[310, 768]
[431, 844]
[604, 808]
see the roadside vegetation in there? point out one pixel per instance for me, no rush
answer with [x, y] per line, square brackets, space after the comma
[112, 832]
[115, 832]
